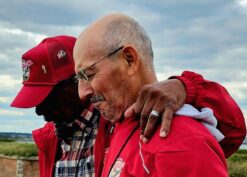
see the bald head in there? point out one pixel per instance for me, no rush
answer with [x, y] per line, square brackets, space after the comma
[111, 32]
[99, 26]
[92, 39]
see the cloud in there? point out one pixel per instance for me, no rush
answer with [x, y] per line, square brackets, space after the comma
[237, 89]
[14, 43]
[7, 82]
[4, 99]
[9, 87]
[243, 3]
[207, 37]
[21, 125]
[245, 115]
[10, 112]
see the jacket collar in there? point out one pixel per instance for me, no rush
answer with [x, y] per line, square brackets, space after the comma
[122, 133]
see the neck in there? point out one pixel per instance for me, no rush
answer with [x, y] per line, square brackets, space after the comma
[137, 84]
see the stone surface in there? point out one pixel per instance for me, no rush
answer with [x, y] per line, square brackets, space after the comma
[14, 167]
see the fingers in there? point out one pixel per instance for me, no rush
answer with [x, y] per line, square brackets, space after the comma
[143, 123]
[141, 100]
[153, 120]
[130, 112]
[148, 122]
[144, 119]
[165, 97]
[151, 127]
[166, 121]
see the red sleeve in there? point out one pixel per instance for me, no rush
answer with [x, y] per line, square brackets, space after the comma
[204, 93]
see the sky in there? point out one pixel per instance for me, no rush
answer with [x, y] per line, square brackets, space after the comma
[205, 36]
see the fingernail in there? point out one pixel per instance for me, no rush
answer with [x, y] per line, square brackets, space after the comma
[145, 140]
[163, 134]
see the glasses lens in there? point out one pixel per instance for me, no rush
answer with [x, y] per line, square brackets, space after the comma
[82, 76]
[75, 79]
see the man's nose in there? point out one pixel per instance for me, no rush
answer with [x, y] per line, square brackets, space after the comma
[85, 90]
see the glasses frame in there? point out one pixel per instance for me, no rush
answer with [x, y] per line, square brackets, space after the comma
[81, 75]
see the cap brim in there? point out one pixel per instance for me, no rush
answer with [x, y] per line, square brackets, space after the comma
[30, 96]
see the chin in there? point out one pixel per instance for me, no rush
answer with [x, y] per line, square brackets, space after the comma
[107, 116]
[110, 116]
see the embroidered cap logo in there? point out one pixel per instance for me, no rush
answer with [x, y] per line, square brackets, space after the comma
[61, 54]
[26, 69]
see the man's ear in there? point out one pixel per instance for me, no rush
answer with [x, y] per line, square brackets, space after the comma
[131, 59]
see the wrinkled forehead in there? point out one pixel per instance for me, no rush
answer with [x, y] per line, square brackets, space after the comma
[89, 44]
[86, 56]
[86, 52]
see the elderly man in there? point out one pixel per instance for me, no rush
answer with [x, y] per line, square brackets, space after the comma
[114, 60]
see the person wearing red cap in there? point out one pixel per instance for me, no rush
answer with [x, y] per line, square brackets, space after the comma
[66, 142]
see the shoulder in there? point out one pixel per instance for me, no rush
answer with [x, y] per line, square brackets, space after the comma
[46, 133]
[185, 134]
[46, 129]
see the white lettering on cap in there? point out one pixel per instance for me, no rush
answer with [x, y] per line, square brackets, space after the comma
[61, 54]
[44, 69]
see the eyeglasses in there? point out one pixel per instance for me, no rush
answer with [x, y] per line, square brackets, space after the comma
[81, 75]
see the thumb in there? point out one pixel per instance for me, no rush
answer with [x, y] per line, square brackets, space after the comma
[130, 112]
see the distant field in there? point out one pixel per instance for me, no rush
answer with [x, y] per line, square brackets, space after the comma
[13, 148]
[237, 163]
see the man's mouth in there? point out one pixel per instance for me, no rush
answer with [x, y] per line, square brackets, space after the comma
[97, 98]
[97, 105]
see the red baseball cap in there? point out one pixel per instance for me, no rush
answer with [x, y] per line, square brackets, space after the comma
[43, 67]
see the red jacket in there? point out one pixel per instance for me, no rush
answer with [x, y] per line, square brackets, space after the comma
[200, 93]
[47, 143]
[189, 151]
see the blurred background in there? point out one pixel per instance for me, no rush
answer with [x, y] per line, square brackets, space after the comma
[208, 37]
